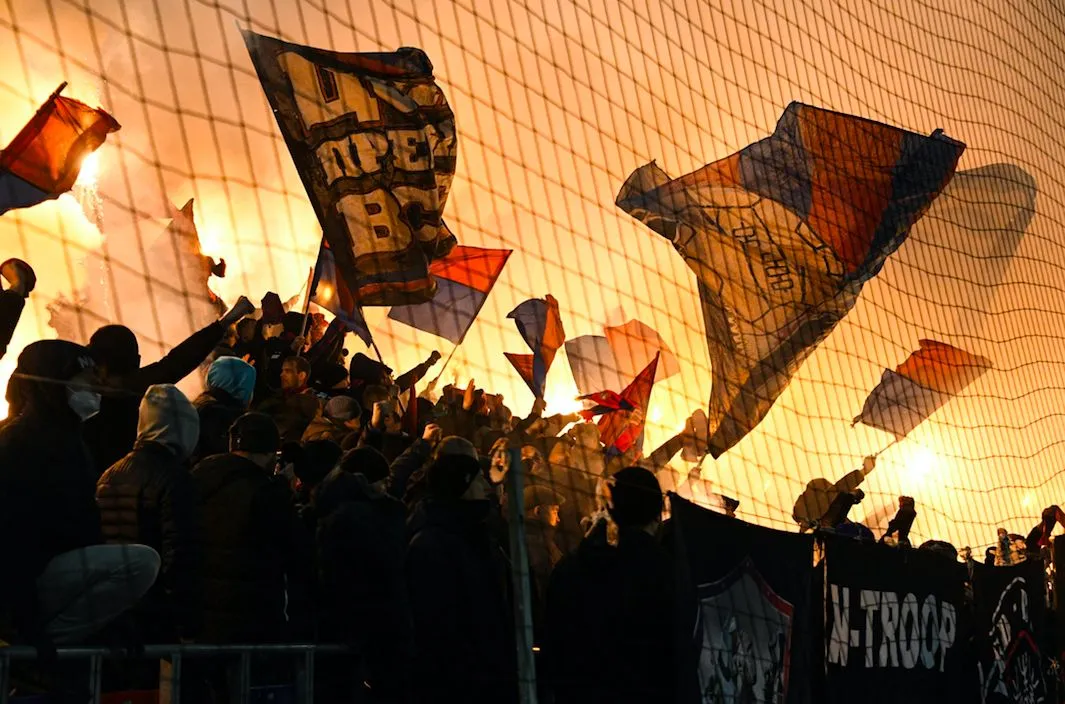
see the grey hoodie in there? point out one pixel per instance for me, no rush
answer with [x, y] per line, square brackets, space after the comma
[167, 417]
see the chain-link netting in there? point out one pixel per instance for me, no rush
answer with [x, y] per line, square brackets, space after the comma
[556, 103]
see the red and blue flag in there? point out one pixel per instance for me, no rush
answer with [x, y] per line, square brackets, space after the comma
[464, 278]
[540, 325]
[329, 290]
[622, 416]
[44, 159]
[917, 388]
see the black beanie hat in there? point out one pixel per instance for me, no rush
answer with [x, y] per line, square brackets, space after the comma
[318, 458]
[367, 461]
[453, 470]
[115, 346]
[326, 376]
[636, 498]
[255, 433]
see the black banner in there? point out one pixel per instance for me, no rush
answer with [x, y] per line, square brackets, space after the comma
[753, 593]
[1010, 605]
[893, 630]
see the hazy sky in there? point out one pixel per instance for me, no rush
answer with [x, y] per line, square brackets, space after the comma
[556, 102]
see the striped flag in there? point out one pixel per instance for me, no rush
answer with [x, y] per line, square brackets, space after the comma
[464, 279]
[930, 377]
[44, 159]
[540, 325]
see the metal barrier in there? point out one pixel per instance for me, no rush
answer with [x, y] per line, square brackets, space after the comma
[303, 653]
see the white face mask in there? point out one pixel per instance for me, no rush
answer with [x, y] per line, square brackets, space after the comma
[83, 402]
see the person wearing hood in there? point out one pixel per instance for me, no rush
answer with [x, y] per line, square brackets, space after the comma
[230, 385]
[111, 434]
[60, 583]
[457, 578]
[340, 417]
[148, 497]
[20, 282]
[258, 557]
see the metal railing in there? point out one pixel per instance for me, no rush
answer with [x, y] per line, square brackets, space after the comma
[303, 654]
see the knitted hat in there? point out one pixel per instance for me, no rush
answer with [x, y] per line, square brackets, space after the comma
[454, 468]
[342, 409]
[366, 461]
[255, 433]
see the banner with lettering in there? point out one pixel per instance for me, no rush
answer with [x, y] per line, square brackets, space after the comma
[893, 625]
[1010, 630]
[751, 599]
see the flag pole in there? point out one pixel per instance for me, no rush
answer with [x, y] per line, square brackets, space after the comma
[55, 94]
[306, 310]
[454, 349]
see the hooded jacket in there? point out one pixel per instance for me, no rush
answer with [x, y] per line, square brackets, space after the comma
[148, 497]
[230, 385]
[47, 480]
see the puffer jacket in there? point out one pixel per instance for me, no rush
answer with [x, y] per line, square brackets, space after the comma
[148, 497]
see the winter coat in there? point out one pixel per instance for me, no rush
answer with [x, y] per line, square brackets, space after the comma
[11, 305]
[217, 411]
[110, 434]
[256, 551]
[610, 623]
[47, 479]
[230, 385]
[148, 497]
[361, 543]
[404, 468]
[326, 428]
[457, 577]
[292, 412]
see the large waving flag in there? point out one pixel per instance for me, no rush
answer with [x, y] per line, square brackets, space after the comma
[782, 235]
[612, 360]
[623, 415]
[464, 279]
[373, 139]
[540, 325]
[44, 159]
[329, 290]
[957, 256]
[930, 377]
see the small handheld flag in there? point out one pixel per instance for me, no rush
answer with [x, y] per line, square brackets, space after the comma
[623, 415]
[540, 325]
[930, 377]
[44, 159]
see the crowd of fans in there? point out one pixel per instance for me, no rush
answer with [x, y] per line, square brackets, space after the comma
[303, 497]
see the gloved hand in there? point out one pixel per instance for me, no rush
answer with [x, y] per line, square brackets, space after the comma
[241, 308]
[19, 275]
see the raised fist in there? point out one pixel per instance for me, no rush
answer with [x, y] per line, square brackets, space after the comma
[19, 275]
